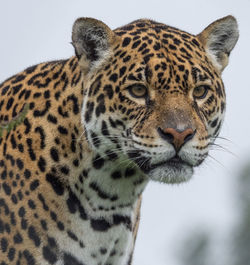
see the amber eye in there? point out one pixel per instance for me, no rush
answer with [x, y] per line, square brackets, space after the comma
[138, 91]
[200, 92]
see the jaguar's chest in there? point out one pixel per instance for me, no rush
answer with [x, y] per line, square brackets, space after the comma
[113, 246]
[99, 214]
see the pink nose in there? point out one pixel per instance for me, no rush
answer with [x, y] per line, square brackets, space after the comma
[176, 137]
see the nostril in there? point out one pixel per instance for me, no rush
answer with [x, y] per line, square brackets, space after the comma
[190, 134]
[166, 135]
[169, 137]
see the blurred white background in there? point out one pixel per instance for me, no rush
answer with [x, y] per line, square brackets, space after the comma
[35, 31]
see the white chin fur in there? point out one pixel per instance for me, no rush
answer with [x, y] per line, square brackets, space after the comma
[169, 174]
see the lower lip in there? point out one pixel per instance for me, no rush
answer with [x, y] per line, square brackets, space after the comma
[171, 163]
[174, 163]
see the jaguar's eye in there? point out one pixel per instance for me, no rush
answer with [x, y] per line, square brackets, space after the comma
[200, 92]
[138, 91]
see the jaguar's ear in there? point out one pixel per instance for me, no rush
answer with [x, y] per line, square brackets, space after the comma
[92, 40]
[218, 39]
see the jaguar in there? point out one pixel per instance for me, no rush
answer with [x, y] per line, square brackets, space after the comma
[81, 138]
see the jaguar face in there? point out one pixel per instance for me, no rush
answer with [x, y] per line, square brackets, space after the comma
[157, 98]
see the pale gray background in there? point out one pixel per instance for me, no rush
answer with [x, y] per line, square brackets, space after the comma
[33, 31]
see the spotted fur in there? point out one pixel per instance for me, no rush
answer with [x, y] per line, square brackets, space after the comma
[73, 170]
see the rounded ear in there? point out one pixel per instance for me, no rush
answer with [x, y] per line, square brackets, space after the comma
[218, 39]
[92, 40]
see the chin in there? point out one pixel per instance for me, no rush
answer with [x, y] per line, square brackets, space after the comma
[171, 173]
[174, 170]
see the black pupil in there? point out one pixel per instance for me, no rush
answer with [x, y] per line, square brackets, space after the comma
[139, 90]
[200, 90]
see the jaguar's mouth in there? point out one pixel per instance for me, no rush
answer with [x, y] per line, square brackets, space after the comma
[174, 170]
[175, 162]
[145, 165]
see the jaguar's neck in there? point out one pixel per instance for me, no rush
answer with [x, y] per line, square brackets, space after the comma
[108, 184]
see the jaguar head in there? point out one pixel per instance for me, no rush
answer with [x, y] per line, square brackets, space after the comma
[153, 93]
